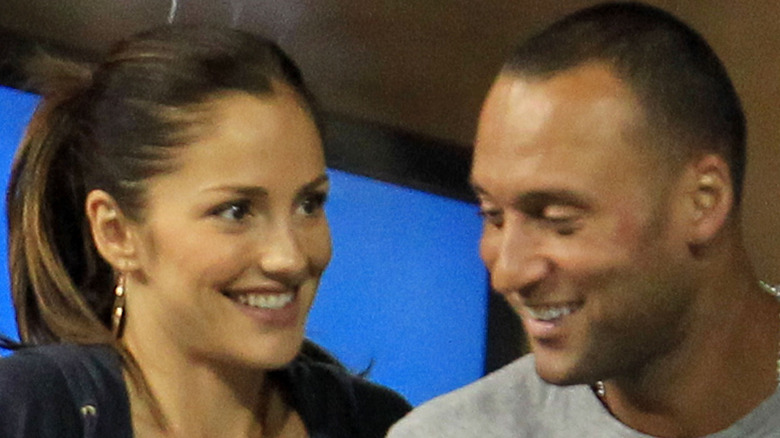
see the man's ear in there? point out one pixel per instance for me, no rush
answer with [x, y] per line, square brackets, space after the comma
[112, 232]
[710, 197]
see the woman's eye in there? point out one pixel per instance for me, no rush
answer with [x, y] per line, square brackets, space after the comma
[233, 211]
[313, 204]
[492, 216]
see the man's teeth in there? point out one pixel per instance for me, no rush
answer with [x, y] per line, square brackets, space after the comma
[266, 301]
[549, 313]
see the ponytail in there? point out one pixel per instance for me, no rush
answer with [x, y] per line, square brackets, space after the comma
[53, 263]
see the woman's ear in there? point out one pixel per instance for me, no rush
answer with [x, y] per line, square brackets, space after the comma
[710, 198]
[112, 232]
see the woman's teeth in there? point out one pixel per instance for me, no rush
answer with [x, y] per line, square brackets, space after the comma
[550, 313]
[266, 301]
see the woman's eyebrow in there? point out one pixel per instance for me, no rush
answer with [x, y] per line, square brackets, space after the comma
[256, 191]
[249, 191]
[315, 183]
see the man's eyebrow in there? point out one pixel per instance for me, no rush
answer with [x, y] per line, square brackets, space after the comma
[541, 198]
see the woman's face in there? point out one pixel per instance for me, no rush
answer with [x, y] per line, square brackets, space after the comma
[234, 241]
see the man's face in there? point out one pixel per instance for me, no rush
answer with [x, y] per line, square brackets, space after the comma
[580, 233]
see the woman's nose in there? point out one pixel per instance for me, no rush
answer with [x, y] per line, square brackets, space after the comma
[281, 254]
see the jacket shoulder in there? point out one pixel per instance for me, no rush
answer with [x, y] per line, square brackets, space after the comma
[35, 400]
[64, 390]
[328, 395]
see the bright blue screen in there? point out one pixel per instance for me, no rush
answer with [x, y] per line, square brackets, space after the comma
[16, 108]
[405, 290]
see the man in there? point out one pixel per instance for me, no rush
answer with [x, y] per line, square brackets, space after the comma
[608, 162]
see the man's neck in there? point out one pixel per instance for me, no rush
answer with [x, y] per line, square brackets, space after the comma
[726, 366]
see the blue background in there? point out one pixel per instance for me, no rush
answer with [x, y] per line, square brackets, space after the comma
[405, 289]
[16, 108]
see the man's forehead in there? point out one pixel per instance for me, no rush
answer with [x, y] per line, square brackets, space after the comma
[513, 103]
[590, 94]
[578, 122]
[581, 82]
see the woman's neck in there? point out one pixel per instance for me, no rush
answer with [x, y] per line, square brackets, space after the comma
[200, 397]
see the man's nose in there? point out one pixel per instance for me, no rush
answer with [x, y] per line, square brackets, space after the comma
[518, 262]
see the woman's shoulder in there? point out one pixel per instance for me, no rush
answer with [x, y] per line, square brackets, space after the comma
[35, 399]
[320, 383]
[57, 387]
[325, 369]
[28, 372]
[57, 363]
[366, 393]
[35, 368]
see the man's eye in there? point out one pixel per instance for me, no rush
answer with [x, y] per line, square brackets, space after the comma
[565, 219]
[313, 204]
[233, 211]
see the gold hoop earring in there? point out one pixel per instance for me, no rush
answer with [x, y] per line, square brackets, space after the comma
[118, 311]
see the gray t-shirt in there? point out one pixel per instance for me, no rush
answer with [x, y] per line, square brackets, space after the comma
[514, 402]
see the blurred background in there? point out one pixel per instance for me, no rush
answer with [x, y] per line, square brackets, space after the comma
[402, 82]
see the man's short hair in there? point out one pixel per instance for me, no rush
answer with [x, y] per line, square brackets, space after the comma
[683, 87]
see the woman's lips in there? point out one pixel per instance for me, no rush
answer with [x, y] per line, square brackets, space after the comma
[272, 301]
[268, 307]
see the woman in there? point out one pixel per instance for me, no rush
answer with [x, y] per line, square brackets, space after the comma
[167, 236]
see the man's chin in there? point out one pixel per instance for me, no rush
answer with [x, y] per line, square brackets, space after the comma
[560, 375]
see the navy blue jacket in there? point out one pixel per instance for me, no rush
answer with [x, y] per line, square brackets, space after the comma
[70, 391]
